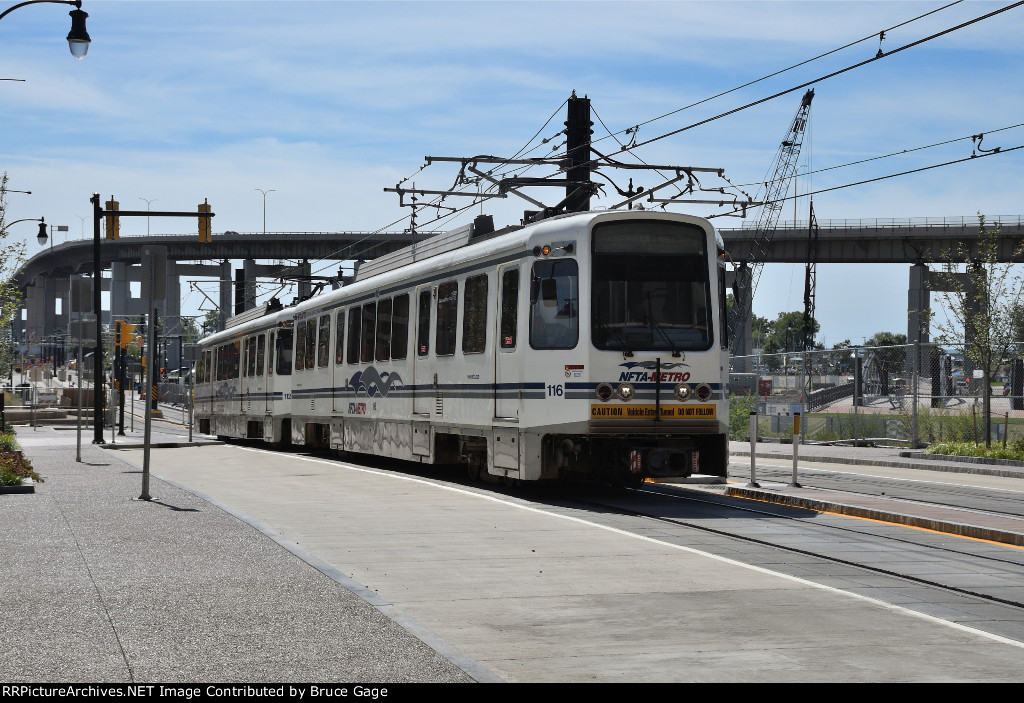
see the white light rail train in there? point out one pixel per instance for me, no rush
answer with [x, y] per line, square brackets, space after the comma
[590, 345]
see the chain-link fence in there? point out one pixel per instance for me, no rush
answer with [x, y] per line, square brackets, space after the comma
[881, 395]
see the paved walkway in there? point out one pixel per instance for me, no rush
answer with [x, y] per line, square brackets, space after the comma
[99, 586]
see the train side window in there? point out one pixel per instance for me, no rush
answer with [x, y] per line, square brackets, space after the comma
[474, 315]
[423, 324]
[354, 318]
[509, 307]
[227, 361]
[400, 327]
[383, 349]
[245, 357]
[270, 348]
[323, 349]
[310, 359]
[284, 352]
[554, 304]
[300, 345]
[339, 338]
[369, 327]
[447, 317]
[250, 357]
[260, 348]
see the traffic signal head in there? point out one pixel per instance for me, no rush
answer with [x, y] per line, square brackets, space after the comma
[124, 333]
[113, 221]
[204, 222]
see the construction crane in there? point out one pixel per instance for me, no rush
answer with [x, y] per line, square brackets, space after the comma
[776, 185]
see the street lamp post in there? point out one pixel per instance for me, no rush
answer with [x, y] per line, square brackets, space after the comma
[148, 201]
[97, 308]
[78, 37]
[269, 190]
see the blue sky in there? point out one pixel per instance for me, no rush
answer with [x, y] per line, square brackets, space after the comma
[329, 102]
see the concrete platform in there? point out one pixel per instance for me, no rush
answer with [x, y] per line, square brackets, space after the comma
[259, 566]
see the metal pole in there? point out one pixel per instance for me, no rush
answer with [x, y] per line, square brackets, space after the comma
[753, 451]
[78, 456]
[97, 285]
[915, 378]
[856, 394]
[796, 447]
[191, 390]
[151, 328]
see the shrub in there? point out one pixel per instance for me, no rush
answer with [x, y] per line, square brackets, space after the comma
[739, 416]
[14, 467]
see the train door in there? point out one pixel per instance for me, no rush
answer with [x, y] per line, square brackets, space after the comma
[259, 376]
[268, 384]
[506, 360]
[245, 381]
[339, 374]
[422, 376]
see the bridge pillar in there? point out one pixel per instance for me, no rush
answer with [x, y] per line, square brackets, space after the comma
[922, 283]
[120, 291]
[305, 286]
[172, 316]
[35, 324]
[918, 312]
[225, 293]
[249, 266]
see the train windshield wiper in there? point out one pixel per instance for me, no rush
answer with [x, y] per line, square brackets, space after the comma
[626, 352]
[654, 324]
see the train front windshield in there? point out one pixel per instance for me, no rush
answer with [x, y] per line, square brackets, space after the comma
[651, 287]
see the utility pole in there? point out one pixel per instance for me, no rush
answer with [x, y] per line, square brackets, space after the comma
[577, 147]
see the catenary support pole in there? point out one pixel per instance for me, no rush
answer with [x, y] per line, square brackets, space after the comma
[796, 447]
[753, 451]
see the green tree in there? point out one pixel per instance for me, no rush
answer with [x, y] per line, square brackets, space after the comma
[12, 256]
[786, 332]
[980, 307]
[210, 323]
[189, 330]
[895, 359]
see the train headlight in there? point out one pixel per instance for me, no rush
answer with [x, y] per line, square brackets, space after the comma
[625, 391]
[604, 391]
[681, 392]
[703, 392]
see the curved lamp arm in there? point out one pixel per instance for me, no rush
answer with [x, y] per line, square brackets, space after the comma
[78, 37]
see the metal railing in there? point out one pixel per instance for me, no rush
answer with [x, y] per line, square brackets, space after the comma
[898, 395]
[954, 222]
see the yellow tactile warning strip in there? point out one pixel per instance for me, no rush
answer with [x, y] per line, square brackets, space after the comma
[975, 532]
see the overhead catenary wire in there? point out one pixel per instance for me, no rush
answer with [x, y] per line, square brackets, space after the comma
[631, 146]
[877, 57]
[894, 175]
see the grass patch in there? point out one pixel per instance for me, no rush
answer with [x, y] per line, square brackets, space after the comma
[1014, 451]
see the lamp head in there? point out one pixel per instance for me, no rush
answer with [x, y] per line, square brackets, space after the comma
[78, 38]
[42, 232]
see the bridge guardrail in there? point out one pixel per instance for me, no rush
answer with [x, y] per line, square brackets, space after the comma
[892, 223]
[876, 394]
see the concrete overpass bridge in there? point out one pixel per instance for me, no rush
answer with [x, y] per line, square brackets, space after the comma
[45, 278]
